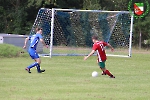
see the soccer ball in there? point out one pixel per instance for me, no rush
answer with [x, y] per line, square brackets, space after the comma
[94, 74]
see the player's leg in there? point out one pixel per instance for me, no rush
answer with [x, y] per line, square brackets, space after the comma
[103, 68]
[31, 66]
[33, 54]
[103, 73]
[38, 60]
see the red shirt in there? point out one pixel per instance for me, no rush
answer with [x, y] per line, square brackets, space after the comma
[99, 47]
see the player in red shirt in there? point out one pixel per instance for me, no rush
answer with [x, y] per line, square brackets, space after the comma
[99, 47]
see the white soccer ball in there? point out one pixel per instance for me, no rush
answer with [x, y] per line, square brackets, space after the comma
[94, 74]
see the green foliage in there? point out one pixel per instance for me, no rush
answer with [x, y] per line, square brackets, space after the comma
[91, 4]
[13, 16]
[69, 3]
[118, 5]
[34, 3]
[18, 15]
[8, 50]
[141, 26]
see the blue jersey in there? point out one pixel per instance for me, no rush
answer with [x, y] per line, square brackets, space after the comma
[34, 39]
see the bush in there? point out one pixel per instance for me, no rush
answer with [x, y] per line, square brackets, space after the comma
[7, 50]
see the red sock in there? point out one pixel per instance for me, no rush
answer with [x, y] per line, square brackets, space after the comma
[108, 73]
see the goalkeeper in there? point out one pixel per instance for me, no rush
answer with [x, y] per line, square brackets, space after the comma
[99, 47]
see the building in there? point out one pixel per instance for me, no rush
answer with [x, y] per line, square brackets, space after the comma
[17, 40]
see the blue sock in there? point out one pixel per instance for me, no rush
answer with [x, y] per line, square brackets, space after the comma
[32, 65]
[38, 68]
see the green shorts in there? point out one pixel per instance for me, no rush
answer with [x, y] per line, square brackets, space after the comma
[101, 64]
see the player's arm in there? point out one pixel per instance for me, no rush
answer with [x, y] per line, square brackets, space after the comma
[112, 49]
[90, 54]
[25, 42]
[43, 43]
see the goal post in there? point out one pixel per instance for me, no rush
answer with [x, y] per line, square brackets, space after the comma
[130, 39]
[52, 31]
[69, 31]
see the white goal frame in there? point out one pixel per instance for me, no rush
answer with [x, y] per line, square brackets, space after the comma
[73, 10]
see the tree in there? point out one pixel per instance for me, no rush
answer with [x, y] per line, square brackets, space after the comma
[13, 15]
[115, 5]
[18, 16]
[74, 4]
[91, 4]
[141, 26]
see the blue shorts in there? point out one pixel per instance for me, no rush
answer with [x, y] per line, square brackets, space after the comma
[33, 54]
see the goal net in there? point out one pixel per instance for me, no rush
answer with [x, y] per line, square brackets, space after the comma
[69, 31]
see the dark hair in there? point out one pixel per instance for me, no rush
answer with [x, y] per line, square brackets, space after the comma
[95, 37]
[38, 28]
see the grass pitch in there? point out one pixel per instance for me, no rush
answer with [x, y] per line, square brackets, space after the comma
[69, 78]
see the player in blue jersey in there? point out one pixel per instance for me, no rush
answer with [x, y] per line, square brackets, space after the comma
[34, 39]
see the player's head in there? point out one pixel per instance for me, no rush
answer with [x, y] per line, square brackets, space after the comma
[38, 30]
[94, 38]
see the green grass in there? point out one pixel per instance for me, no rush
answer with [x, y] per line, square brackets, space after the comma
[8, 50]
[82, 50]
[69, 78]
